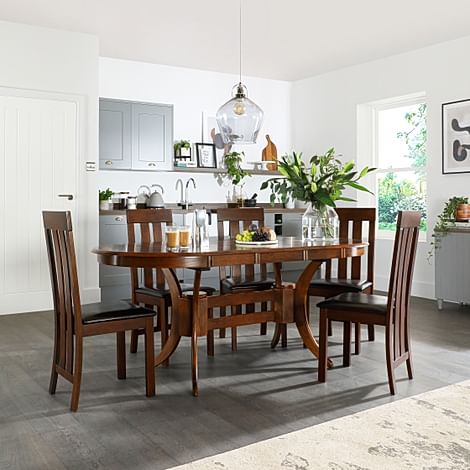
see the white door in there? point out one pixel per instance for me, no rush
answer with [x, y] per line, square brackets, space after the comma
[39, 157]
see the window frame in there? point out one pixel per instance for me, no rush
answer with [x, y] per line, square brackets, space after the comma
[376, 108]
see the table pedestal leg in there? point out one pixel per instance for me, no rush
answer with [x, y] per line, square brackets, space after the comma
[174, 337]
[300, 309]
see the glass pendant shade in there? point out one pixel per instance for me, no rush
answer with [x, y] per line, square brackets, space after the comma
[239, 119]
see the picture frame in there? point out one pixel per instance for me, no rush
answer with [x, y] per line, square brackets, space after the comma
[456, 137]
[206, 157]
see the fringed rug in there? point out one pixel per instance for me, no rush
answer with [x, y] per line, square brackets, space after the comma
[430, 431]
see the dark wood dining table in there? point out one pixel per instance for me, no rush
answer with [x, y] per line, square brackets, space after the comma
[192, 314]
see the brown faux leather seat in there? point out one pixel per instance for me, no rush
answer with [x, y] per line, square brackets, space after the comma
[165, 293]
[390, 311]
[376, 304]
[352, 285]
[229, 284]
[99, 313]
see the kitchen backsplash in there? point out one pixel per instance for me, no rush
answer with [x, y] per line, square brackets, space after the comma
[207, 189]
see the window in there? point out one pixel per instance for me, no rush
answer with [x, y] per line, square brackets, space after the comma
[400, 158]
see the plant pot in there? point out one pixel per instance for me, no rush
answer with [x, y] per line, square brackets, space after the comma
[462, 213]
[320, 224]
[104, 205]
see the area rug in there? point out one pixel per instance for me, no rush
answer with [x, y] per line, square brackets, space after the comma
[430, 431]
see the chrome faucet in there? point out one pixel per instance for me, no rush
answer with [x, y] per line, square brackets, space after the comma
[179, 182]
[186, 194]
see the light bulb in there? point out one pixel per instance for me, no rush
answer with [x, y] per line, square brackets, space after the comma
[239, 108]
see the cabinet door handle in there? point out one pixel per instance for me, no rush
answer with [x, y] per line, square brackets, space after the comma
[67, 196]
[152, 164]
[119, 218]
[108, 162]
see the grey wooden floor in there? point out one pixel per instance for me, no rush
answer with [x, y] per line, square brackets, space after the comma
[245, 397]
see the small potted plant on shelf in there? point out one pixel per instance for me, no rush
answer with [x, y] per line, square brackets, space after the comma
[236, 173]
[182, 149]
[320, 183]
[105, 199]
[445, 221]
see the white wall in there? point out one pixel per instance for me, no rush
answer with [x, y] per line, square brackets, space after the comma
[324, 114]
[193, 92]
[41, 59]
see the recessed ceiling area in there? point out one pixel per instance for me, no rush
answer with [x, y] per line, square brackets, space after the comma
[286, 40]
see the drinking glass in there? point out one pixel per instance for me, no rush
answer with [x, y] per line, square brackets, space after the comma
[185, 236]
[172, 238]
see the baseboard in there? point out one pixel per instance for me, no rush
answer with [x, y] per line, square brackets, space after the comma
[418, 288]
[42, 301]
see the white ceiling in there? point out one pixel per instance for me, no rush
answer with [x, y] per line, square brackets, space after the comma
[283, 39]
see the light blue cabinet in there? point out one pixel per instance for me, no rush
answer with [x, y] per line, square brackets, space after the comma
[135, 136]
[115, 135]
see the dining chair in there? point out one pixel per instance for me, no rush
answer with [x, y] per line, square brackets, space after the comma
[347, 275]
[390, 311]
[73, 322]
[147, 226]
[240, 277]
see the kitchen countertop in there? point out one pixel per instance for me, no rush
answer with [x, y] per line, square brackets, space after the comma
[212, 207]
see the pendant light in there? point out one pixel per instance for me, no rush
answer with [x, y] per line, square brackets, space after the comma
[239, 119]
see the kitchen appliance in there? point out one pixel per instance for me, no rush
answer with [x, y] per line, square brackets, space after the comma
[132, 202]
[143, 194]
[201, 228]
[156, 199]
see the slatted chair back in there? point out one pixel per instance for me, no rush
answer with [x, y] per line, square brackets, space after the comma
[351, 226]
[239, 219]
[151, 223]
[404, 253]
[64, 280]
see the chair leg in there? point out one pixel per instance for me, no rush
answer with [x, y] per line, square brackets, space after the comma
[409, 362]
[235, 310]
[322, 361]
[121, 354]
[346, 344]
[210, 335]
[330, 328]
[371, 332]
[284, 335]
[77, 373]
[263, 328]
[389, 356]
[55, 361]
[357, 338]
[222, 313]
[163, 315]
[134, 341]
[149, 359]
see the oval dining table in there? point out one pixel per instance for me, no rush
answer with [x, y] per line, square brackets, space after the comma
[192, 313]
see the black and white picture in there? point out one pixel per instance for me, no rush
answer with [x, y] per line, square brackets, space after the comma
[456, 137]
[206, 155]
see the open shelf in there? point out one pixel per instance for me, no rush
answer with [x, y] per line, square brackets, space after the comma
[223, 170]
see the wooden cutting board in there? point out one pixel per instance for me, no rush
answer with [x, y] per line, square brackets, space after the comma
[270, 154]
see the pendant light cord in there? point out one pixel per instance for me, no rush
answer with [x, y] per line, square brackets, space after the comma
[240, 29]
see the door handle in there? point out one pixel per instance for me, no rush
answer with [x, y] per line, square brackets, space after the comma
[68, 196]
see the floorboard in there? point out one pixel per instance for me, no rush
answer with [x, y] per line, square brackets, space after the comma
[253, 394]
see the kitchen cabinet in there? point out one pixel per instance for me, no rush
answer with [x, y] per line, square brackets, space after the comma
[135, 136]
[452, 268]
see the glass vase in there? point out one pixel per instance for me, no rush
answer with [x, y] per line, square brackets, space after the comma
[320, 224]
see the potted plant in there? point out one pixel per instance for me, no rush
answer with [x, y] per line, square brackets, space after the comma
[236, 173]
[182, 149]
[320, 183]
[445, 221]
[105, 198]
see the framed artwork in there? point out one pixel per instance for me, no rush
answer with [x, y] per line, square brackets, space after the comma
[456, 137]
[206, 155]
